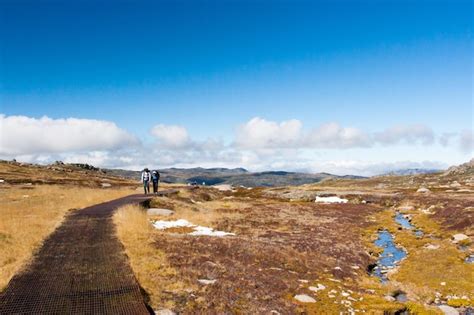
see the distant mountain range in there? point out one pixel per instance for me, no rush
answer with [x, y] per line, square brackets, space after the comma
[412, 171]
[235, 176]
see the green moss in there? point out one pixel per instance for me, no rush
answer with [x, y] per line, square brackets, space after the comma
[459, 302]
[419, 309]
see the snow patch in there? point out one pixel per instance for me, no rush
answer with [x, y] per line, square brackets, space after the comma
[202, 230]
[198, 230]
[162, 225]
[332, 199]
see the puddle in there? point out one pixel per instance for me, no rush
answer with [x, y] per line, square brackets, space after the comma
[390, 256]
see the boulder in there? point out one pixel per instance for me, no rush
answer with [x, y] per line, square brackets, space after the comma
[459, 237]
[423, 190]
[455, 184]
[390, 298]
[206, 281]
[406, 208]
[303, 298]
[223, 187]
[448, 310]
[317, 288]
[106, 185]
[165, 311]
[159, 211]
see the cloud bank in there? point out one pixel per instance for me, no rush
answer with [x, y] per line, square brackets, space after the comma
[258, 144]
[22, 135]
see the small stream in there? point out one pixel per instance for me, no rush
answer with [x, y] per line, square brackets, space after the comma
[390, 256]
[405, 224]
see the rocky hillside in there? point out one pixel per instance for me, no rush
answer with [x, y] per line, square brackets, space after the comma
[463, 169]
[12, 172]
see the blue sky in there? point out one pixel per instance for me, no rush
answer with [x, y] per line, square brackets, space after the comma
[212, 67]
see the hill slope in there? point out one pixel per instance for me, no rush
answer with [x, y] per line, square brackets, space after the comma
[236, 176]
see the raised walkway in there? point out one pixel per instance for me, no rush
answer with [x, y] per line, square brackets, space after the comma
[81, 268]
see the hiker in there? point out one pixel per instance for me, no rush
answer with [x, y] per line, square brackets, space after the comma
[146, 180]
[155, 178]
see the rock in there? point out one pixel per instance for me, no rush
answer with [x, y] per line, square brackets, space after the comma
[448, 310]
[105, 185]
[206, 281]
[165, 311]
[2, 180]
[443, 283]
[303, 298]
[223, 187]
[430, 210]
[459, 237]
[298, 195]
[406, 208]
[159, 211]
[455, 184]
[423, 190]
[390, 298]
[317, 288]
[431, 246]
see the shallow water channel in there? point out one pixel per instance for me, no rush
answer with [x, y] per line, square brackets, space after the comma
[390, 256]
[405, 224]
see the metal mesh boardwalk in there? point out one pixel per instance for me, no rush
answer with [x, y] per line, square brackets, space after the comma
[81, 268]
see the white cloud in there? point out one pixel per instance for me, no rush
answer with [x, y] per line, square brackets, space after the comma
[466, 141]
[446, 137]
[171, 136]
[410, 134]
[21, 135]
[259, 145]
[332, 135]
[260, 133]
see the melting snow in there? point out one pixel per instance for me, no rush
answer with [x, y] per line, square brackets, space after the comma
[202, 230]
[198, 230]
[162, 225]
[333, 199]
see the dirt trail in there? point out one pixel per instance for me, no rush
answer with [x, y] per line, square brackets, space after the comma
[81, 268]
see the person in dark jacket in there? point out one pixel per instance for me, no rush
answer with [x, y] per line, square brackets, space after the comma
[155, 178]
[146, 180]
